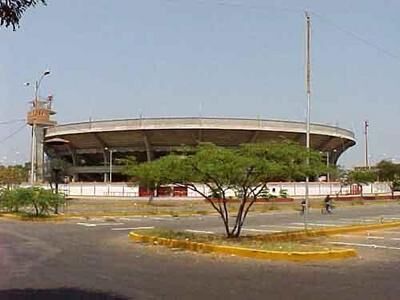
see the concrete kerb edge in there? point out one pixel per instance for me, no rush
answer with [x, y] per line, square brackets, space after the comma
[245, 252]
[299, 235]
[33, 218]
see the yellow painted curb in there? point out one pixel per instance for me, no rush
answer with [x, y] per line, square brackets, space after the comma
[245, 252]
[34, 219]
[299, 235]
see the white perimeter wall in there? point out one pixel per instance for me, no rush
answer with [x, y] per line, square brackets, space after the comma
[294, 189]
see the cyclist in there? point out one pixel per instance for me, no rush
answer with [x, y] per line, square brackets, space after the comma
[328, 204]
[303, 207]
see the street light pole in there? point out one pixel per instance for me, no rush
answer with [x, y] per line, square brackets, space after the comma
[111, 154]
[110, 151]
[327, 166]
[33, 137]
[366, 125]
[308, 91]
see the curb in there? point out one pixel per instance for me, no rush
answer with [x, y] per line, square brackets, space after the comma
[33, 219]
[299, 235]
[245, 252]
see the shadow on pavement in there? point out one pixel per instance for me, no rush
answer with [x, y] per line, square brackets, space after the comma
[57, 294]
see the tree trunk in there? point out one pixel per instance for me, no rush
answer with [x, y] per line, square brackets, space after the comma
[151, 197]
[56, 206]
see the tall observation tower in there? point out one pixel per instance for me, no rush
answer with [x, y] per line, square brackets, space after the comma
[39, 118]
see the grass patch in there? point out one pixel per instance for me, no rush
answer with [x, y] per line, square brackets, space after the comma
[242, 242]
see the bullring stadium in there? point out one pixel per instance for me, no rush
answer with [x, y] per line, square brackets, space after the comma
[89, 147]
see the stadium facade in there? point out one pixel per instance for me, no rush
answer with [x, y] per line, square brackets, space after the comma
[88, 147]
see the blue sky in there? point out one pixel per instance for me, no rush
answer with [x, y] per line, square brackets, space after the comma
[122, 59]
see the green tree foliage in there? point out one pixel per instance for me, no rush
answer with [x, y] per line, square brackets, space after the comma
[12, 175]
[245, 170]
[360, 177]
[150, 176]
[389, 172]
[11, 11]
[37, 200]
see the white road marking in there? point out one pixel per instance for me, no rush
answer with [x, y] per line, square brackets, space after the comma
[199, 231]
[132, 228]
[346, 222]
[260, 230]
[386, 231]
[130, 219]
[391, 216]
[109, 224]
[86, 224]
[349, 235]
[316, 224]
[283, 226]
[161, 219]
[365, 245]
[99, 224]
[355, 220]
[370, 237]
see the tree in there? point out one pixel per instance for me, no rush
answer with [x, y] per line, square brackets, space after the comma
[12, 175]
[11, 11]
[360, 177]
[390, 172]
[245, 170]
[152, 176]
[56, 171]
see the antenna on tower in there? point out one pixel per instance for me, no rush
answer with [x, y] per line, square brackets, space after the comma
[366, 125]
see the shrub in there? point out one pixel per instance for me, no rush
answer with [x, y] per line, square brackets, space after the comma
[283, 193]
[8, 200]
[38, 199]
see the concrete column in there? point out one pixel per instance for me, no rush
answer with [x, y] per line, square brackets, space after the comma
[39, 153]
[149, 153]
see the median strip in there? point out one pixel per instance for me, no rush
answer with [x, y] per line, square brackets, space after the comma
[208, 247]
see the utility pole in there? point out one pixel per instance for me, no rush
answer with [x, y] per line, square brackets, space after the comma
[327, 166]
[308, 91]
[366, 125]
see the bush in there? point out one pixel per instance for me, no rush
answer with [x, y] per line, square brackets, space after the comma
[283, 193]
[8, 201]
[39, 200]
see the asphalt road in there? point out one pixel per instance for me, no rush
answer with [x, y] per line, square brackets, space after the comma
[94, 259]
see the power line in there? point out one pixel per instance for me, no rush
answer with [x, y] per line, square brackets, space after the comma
[350, 33]
[12, 134]
[11, 121]
[357, 36]
[242, 5]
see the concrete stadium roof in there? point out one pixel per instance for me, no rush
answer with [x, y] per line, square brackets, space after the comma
[164, 134]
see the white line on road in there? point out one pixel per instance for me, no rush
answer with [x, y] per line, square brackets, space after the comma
[371, 237]
[260, 230]
[283, 226]
[86, 224]
[349, 235]
[130, 219]
[109, 224]
[357, 220]
[132, 228]
[316, 224]
[199, 231]
[365, 245]
[99, 224]
[162, 219]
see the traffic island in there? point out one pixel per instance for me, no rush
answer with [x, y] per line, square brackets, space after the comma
[321, 232]
[247, 246]
[33, 218]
